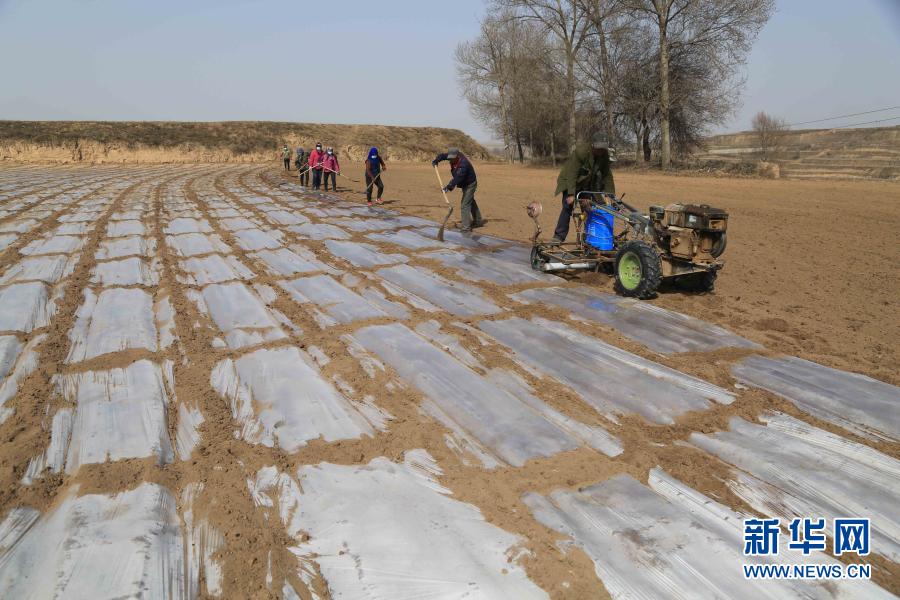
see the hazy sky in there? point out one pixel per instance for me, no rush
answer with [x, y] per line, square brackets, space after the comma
[389, 62]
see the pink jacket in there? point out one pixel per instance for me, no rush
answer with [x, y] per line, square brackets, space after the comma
[315, 159]
[331, 164]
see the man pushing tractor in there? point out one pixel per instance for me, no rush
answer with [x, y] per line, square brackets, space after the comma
[680, 242]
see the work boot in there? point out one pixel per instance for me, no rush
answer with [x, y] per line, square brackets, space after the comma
[555, 241]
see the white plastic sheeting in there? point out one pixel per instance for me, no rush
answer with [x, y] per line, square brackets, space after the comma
[18, 362]
[507, 423]
[194, 244]
[116, 320]
[59, 244]
[613, 381]
[26, 306]
[467, 240]
[284, 217]
[333, 302]
[280, 398]
[10, 347]
[125, 228]
[319, 231]
[126, 246]
[386, 530]
[6, 240]
[290, 262]
[363, 255]
[127, 545]
[188, 225]
[214, 269]
[406, 238]
[240, 315]
[659, 329]
[49, 269]
[202, 541]
[256, 239]
[669, 541]
[238, 223]
[125, 272]
[788, 468]
[454, 297]
[119, 414]
[860, 404]
[482, 266]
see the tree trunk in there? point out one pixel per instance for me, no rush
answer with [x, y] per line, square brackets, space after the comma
[553, 148]
[519, 146]
[504, 115]
[531, 143]
[637, 143]
[646, 142]
[664, 99]
[607, 82]
[570, 96]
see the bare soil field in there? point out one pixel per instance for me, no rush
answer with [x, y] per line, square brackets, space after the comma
[216, 383]
[812, 267]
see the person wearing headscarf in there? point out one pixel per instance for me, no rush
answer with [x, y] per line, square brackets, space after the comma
[331, 167]
[374, 168]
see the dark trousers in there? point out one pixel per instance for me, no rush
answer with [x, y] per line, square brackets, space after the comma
[317, 178]
[369, 187]
[565, 217]
[287, 164]
[330, 175]
[304, 176]
[469, 211]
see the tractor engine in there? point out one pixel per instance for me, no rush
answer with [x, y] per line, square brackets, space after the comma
[690, 232]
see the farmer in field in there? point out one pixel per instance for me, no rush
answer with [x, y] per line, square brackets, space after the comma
[286, 157]
[464, 178]
[374, 168]
[586, 170]
[316, 158]
[298, 157]
[302, 163]
[331, 167]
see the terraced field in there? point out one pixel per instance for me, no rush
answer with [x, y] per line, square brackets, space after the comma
[213, 384]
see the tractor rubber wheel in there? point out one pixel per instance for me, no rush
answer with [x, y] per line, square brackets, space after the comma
[699, 282]
[638, 270]
[536, 261]
[718, 248]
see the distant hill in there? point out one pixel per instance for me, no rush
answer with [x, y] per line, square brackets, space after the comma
[229, 141]
[872, 153]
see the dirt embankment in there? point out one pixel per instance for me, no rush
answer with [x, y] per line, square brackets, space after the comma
[223, 142]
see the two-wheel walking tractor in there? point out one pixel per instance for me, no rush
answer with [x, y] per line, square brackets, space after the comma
[680, 243]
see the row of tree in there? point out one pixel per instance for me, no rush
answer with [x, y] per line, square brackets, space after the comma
[543, 74]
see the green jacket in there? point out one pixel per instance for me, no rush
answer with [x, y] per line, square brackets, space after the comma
[286, 153]
[582, 172]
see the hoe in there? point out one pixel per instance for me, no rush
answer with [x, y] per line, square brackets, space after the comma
[681, 243]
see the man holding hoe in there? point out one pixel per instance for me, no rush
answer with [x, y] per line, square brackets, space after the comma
[464, 178]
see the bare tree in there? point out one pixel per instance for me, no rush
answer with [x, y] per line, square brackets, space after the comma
[567, 21]
[511, 84]
[723, 30]
[602, 63]
[769, 131]
[482, 71]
